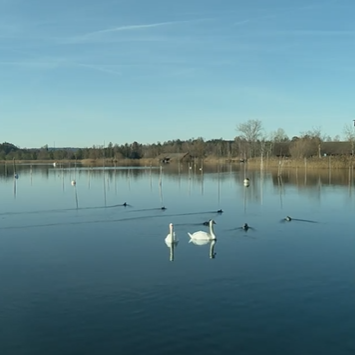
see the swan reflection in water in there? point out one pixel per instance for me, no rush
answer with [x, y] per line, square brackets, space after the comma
[171, 241]
[200, 242]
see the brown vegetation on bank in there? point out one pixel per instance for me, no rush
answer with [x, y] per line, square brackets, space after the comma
[337, 162]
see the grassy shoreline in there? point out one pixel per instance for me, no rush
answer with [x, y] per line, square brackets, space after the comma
[339, 162]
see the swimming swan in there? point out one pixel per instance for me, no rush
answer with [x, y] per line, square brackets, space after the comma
[171, 237]
[200, 235]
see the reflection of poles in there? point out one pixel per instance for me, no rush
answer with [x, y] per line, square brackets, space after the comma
[349, 178]
[105, 197]
[231, 174]
[104, 173]
[89, 178]
[161, 186]
[189, 180]
[305, 171]
[63, 176]
[202, 178]
[261, 186]
[75, 168]
[115, 178]
[279, 183]
[150, 178]
[31, 173]
[245, 163]
[329, 170]
[179, 172]
[76, 197]
[13, 161]
[219, 186]
[129, 179]
[280, 166]
[245, 201]
[15, 188]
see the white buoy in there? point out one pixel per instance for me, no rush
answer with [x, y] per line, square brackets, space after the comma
[54, 164]
[73, 182]
[246, 182]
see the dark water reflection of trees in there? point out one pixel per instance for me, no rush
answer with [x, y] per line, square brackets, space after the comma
[300, 178]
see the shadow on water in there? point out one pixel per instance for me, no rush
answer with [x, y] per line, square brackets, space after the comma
[289, 219]
[63, 209]
[95, 221]
[244, 228]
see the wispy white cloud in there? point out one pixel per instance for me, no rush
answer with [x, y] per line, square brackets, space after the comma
[44, 64]
[283, 12]
[99, 68]
[133, 27]
[98, 34]
[39, 65]
[304, 33]
[240, 23]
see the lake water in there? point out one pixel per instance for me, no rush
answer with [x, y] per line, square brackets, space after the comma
[82, 274]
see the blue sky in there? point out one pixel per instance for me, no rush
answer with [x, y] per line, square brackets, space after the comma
[84, 72]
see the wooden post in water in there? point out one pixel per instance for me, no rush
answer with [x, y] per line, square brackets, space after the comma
[305, 171]
[279, 184]
[349, 178]
[219, 187]
[161, 186]
[104, 173]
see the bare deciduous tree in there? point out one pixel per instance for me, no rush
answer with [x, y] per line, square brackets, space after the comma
[314, 133]
[251, 131]
[303, 148]
[349, 133]
[279, 136]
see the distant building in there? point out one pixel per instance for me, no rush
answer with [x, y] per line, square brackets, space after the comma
[166, 158]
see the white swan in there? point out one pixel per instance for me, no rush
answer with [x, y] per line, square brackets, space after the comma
[202, 236]
[200, 241]
[171, 237]
[171, 241]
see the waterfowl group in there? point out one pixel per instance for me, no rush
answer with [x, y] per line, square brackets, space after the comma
[197, 238]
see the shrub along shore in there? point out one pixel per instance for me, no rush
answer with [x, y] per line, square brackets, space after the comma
[337, 162]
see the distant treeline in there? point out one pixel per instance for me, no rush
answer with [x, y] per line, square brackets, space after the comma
[251, 142]
[199, 149]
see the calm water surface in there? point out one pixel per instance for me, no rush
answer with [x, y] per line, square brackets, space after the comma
[82, 274]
